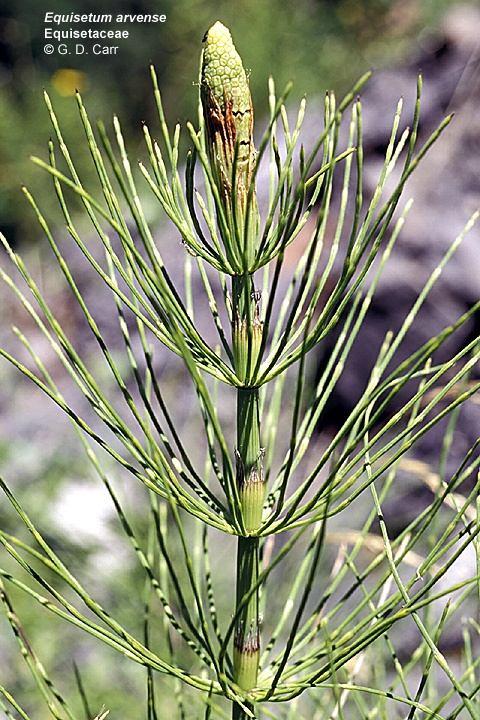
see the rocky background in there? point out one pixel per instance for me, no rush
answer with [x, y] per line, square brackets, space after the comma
[40, 454]
[446, 190]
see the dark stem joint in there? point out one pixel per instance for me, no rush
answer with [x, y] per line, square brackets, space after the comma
[248, 642]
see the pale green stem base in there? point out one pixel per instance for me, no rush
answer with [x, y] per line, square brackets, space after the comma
[246, 652]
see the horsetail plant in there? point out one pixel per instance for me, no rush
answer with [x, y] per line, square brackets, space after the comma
[319, 635]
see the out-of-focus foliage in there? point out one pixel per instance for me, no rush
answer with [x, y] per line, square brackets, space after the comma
[319, 44]
[339, 38]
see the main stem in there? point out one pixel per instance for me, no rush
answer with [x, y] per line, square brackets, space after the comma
[246, 337]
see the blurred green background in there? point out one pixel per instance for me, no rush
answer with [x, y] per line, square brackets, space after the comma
[318, 44]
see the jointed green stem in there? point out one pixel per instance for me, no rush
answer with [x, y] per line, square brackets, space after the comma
[246, 340]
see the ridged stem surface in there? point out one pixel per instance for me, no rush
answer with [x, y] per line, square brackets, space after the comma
[246, 337]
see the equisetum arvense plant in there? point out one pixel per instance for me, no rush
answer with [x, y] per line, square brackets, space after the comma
[306, 634]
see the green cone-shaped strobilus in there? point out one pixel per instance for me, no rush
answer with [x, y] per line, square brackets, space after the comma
[228, 114]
